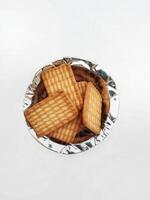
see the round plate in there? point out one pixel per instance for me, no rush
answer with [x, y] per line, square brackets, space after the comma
[111, 117]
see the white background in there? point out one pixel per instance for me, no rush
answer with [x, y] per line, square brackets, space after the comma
[115, 34]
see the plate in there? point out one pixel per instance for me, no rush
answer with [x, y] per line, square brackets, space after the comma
[110, 120]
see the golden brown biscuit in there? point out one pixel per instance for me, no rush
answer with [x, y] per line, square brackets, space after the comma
[82, 74]
[82, 87]
[68, 131]
[61, 78]
[91, 115]
[51, 113]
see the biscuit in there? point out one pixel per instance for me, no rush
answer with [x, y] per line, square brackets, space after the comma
[82, 87]
[91, 114]
[61, 78]
[68, 131]
[82, 74]
[51, 113]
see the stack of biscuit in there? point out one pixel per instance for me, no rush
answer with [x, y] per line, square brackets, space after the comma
[69, 106]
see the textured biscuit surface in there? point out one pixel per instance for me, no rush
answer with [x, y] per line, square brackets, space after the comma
[82, 87]
[92, 109]
[61, 78]
[68, 131]
[51, 113]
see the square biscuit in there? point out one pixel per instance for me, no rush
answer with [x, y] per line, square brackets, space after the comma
[51, 113]
[82, 87]
[61, 78]
[67, 132]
